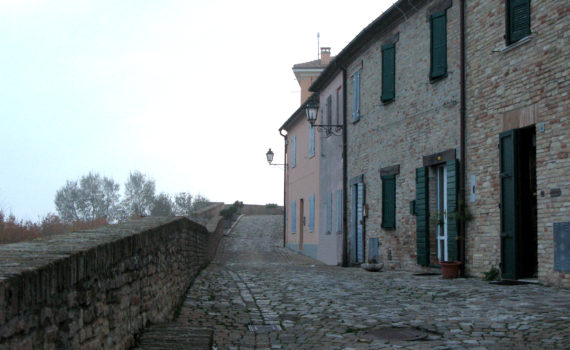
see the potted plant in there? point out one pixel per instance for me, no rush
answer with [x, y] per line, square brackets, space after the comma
[449, 269]
[372, 265]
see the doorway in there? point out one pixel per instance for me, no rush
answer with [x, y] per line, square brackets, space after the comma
[518, 203]
[441, 188]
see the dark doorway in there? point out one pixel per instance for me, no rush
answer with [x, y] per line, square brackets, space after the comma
[518, 203]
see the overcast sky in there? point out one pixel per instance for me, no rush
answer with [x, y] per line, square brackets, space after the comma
[191, 93]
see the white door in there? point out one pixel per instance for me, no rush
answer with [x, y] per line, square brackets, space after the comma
[442, 213]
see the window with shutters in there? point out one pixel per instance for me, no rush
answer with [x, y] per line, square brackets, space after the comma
[338, 120]
[311, 141]
[339, 203]
[389, 201]
[329, 114]
[518, 20]
[356, 97]
[329, 213]
[438, 23]
[388, 73]
[312, 213]
[294, 151]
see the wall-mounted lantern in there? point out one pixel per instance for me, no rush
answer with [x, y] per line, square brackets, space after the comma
[269, 156]
[312, 110]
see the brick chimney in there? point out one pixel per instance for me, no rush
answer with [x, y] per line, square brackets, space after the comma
[325, 55]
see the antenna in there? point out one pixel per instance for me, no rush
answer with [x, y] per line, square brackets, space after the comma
[318, 46]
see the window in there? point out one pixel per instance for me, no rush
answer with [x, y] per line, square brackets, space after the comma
[356, 96]
[338, 106]
[438, 23]
[329, 113]
[312, 213]
[518, 20]
[294, 151]
[311, 141]
[329, 213]
[389, 201]
[293, 216]
[388, 73]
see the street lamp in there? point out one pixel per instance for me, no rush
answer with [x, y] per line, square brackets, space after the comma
[269, 156]
[312, 110]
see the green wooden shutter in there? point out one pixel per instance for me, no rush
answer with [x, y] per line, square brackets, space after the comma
[389, 201]
[388, 72]
[518, 20]
[509, 202]
[422, 216]
[438, 45]
[452, 207]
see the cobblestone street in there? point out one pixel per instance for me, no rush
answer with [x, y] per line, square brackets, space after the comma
[259, 295]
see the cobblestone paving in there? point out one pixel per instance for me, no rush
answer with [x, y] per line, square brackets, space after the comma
[259, 295]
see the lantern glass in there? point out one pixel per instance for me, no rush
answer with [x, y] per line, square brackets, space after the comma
[311, 109]
[269, 155]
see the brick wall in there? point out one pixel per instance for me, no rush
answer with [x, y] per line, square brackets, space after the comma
[423, 120]
[508, 88]
[97, 289]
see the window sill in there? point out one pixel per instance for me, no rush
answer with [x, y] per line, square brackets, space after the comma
[387, 102]
[437, 79]
[516, 44]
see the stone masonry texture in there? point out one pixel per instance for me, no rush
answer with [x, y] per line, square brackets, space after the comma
[97, 289]
[258, 295]
[422, 120]
[505, 84]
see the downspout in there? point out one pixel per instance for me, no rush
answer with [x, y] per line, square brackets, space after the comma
[284, 187]
[462, 167]
[344, 174]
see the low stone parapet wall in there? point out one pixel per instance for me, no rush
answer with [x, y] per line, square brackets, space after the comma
[97, 289]
[255, 209]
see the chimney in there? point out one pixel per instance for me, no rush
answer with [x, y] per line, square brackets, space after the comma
[325, 56]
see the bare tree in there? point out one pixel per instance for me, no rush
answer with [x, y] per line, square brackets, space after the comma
[139, 195]
[162, 206]
[92, 197]
[200, 202]
[183, 204]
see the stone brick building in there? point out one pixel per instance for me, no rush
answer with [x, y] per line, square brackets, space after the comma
[402, 121]
[456, 138]
[518, 59]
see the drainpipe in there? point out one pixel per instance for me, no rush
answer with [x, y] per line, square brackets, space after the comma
[284, 187]
[462, 167]
[344, 174]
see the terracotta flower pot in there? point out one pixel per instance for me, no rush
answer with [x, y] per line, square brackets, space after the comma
[449, 269]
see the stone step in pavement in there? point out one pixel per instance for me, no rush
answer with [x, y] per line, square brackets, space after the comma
[172, 335]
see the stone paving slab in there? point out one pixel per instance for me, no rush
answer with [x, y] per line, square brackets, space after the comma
[295, 302]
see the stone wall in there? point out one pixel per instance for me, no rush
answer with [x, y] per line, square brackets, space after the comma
[261, 209]
[96, 289]
[422, 120]
[512, 87]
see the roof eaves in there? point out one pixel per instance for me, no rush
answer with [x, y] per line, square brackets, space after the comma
[296, 115]
[379, 25]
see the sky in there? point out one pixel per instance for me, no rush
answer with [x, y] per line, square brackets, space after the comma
[191, 93]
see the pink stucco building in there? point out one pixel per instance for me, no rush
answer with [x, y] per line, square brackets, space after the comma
[302, 157]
